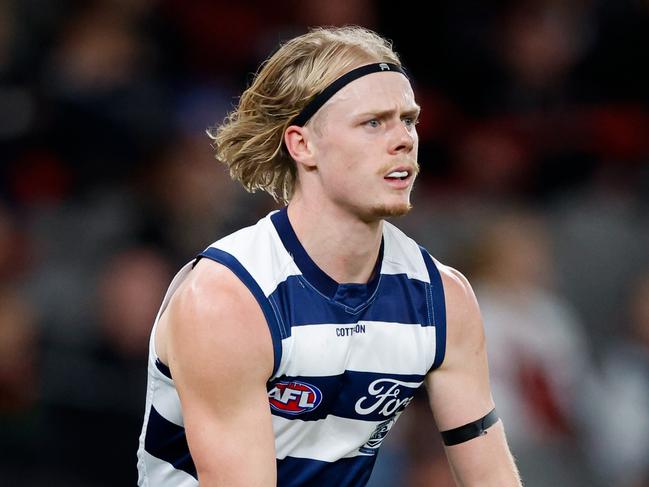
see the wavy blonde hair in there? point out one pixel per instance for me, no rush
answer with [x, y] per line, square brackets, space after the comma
[250, 141]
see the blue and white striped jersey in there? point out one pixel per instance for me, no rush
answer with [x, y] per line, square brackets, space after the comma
[348, 357]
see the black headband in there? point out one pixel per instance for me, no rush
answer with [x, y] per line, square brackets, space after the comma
[321, 98]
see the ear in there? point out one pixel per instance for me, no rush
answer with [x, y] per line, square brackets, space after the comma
[297, 143]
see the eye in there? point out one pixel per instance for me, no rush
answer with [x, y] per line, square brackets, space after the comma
[374, 123]
[410, 121]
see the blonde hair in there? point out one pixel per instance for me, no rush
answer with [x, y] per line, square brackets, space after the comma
[250, 141]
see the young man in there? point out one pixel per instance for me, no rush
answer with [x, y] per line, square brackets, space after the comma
[285, 352]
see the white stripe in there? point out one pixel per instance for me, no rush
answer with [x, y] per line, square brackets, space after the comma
[260, 250]
[402, 255]
[164, 397]
[154, 472]
[327, 440]
[394, 348]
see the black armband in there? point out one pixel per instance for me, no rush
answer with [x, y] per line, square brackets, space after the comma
[469, 431]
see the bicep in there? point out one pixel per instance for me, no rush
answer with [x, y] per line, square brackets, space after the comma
[459, 390]
[220, 356]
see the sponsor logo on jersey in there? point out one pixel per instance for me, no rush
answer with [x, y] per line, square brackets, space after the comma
[385, 397]
[347, 331]
[294, 397]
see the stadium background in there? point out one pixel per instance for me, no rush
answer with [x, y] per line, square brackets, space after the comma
[535, 184]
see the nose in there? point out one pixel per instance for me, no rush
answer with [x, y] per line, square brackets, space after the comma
[403, 139]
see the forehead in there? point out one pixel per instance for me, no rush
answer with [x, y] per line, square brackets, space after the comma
[376, 91]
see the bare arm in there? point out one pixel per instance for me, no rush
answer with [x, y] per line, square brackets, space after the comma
[459, 392]
[218, 347]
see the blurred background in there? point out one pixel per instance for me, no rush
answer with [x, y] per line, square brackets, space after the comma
[535, 184]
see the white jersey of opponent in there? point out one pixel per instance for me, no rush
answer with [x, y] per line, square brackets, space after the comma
[348, 357]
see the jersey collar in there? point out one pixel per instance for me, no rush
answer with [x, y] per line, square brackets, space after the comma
[350, 294]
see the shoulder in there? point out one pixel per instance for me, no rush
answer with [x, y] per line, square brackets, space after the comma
[458, 290]
[209, 288]
[212, 294]
[464, 327]
[212, 315]
[458, 293]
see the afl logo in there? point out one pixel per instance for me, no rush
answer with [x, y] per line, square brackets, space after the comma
[294, 397]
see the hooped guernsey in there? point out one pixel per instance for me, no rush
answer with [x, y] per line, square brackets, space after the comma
[348, 358]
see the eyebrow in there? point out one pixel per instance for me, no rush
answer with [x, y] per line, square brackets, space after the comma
[410, 112]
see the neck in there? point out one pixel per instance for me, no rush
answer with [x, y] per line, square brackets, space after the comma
[343, 246]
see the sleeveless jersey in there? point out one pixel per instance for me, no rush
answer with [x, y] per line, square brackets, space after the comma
[348, 358]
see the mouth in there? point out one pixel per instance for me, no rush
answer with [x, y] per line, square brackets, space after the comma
[399, 177]
[402, 175]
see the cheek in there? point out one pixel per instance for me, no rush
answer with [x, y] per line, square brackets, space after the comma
[349, 160]
[347, 156]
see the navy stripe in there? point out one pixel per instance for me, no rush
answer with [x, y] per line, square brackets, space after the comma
[346, 472]
[397, 300]
[350, 294]
[163, 368]
[439, 308]
[364, 396]
[235, 266]
[167, 441]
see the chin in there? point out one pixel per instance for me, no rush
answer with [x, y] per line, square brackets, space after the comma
[387, 211]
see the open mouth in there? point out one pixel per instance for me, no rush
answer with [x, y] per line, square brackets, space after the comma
[400, 175]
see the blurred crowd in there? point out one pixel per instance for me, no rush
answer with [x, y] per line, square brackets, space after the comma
[535, 184]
